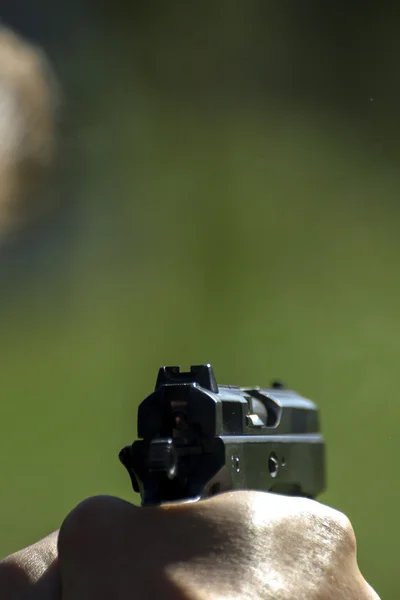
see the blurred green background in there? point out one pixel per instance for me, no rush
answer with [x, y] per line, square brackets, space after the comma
[230, 179]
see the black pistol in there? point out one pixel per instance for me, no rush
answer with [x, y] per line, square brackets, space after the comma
[198, 439]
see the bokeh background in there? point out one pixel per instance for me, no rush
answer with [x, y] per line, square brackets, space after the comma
[226, 189]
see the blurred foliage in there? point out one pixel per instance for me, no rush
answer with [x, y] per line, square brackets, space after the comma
[231, 190]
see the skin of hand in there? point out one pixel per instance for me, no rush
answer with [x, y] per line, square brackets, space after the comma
[236, 546]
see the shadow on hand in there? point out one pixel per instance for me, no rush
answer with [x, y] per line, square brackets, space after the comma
[17, 582]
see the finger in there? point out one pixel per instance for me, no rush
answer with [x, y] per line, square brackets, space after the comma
[32, 573]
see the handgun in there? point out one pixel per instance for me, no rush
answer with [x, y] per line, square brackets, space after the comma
[197, 439]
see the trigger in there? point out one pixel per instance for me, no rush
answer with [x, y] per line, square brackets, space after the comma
[125, 456]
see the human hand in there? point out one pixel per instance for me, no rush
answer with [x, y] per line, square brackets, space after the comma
[237, 545]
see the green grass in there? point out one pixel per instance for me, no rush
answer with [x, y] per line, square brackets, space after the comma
[268, 247]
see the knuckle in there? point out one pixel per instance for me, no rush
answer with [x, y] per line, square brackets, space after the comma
[29, 564]
[370, 593]
[82, 526]
[91, 525]
[329, 526]
[14, 578]
[340, 529]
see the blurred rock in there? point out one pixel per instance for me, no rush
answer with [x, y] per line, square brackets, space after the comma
[28, 114]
